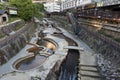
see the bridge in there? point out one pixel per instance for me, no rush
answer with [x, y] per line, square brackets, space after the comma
[74, 47]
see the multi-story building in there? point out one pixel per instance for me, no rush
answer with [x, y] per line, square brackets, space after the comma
[50, 5]
[42, 1]
[4, 0]
[68, 4]
[53, 6]
[107, 2]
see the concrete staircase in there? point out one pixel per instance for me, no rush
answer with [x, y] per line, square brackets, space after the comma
[87, 67]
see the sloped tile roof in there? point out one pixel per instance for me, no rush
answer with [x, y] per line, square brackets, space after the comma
[2, 12]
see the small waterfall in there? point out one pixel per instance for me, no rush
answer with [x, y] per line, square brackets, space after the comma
[25, 37]
[5, 49]
[23, 41]
[12, 49]
[14, 46]
[17, 45]
[68, 69]
[3, 57]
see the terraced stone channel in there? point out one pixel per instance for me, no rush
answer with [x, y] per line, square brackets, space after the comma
[69, 67]
[69, 70]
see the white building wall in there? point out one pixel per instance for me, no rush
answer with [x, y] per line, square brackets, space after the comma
[67, 4]
[83, 2]
[3, 0]
[52, 7]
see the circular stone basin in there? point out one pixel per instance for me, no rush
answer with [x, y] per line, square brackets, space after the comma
[48, 44]
[29, 63]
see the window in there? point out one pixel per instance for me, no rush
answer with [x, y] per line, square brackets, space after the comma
[4, 19]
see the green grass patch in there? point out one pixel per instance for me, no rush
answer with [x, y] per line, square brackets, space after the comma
[109, 36]
[102, 31]
[18, 27]
[2, 35]
[117, 39]
[11, 19]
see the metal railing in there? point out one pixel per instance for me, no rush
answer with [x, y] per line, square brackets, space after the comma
[106, 15]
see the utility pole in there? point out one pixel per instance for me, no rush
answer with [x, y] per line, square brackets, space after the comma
[75, 4]
[60, 5]
[75, 9]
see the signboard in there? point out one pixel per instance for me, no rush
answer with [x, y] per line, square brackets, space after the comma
[12, 12]
[99, 4]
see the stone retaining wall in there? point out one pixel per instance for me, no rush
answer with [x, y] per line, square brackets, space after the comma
[8, 28]
[108, 53]
[11, 45]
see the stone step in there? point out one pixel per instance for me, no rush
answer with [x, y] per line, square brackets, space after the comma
[87, 59]
[89, 74]
[87, 65]
[88, 68]
[89, 78]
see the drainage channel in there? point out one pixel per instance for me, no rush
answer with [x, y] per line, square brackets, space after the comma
[69, 67]
[68, 70]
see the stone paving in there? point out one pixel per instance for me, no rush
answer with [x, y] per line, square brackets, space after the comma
[87, 62]
[87, 67]
[8, 73]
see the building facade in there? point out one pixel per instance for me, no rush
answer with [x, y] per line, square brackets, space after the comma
[42, 1]
[4, 0]
[53, 6]
[67, 4]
